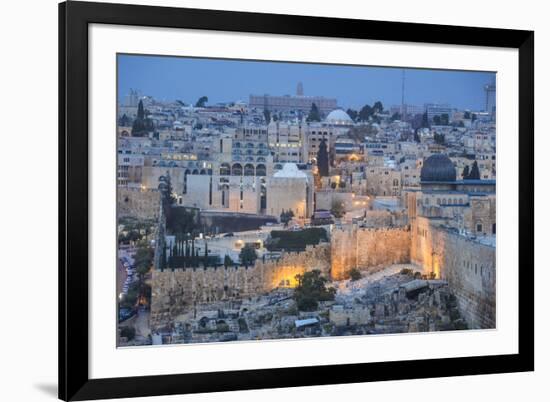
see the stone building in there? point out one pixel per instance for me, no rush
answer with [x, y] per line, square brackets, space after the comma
[383, 181]
[290, 189]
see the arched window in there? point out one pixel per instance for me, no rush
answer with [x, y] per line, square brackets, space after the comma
[225, 169]
[237, 169]
[260, 170]
[249, 169]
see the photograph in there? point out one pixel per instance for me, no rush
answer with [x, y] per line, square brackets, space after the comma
[274, 200]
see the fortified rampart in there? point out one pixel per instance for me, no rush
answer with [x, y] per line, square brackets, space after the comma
[467, 264]
[137, 203]
[368, 249]
[175, 291]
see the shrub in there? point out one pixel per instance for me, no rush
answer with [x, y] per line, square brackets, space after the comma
[128, 333]
[311, 290]
[355, 274]
[295, 240]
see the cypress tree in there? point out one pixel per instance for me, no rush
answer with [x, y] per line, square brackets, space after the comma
[140, 112]
[322, 159]
[474, 173]
[205, 254]
[466, 172]
[314, 114]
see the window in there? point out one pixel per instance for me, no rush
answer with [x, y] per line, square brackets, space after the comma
[479, 227]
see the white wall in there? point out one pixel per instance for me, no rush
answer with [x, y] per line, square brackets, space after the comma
[29, 71]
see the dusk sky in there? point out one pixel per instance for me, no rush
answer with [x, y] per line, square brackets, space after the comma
[187, 79]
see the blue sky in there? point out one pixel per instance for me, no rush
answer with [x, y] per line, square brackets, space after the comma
[222, 80]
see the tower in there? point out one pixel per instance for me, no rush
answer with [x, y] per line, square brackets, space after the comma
[300, 89]
[403, 94]
[490, 99]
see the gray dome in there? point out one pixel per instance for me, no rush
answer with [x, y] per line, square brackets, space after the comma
[438, 167]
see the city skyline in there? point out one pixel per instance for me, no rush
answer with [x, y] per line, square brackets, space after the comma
[175, 78]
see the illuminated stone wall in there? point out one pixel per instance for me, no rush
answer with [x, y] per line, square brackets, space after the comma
[468, 265]
[368, 249]
[175, 292]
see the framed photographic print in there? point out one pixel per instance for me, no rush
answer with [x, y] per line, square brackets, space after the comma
[258, 201]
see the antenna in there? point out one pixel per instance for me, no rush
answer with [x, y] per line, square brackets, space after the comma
[402, 94]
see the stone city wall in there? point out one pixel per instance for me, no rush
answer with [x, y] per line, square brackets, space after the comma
[367, 249]
[137, 203]
[174, 292]
[468, 265]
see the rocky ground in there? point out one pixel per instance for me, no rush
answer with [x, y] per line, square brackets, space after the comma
[392, 300]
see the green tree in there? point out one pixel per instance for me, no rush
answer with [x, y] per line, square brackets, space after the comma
[355, 274]
[311, 290]
[314, 114]
[337, 209]
[124, 121]
[128, 333]
[365, 113]
[267, 116]
[202, 101]
[474, 172]
[286, 216]
[439, 138]
[322, 159]
[130, 298]
[205, 259]
[143, 259]
[227, 261]
[142, 125]
[416, 136]
[377, 107]
[248, 255]
[395, 116]
[466, 172]
[353, 114]
[141, 110]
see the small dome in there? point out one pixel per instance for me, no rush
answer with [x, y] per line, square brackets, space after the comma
[338, 116]
[438, 167]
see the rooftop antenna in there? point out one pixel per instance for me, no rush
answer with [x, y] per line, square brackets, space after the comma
[402, 94]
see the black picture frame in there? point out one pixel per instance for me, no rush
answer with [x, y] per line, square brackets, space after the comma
[74, 381]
